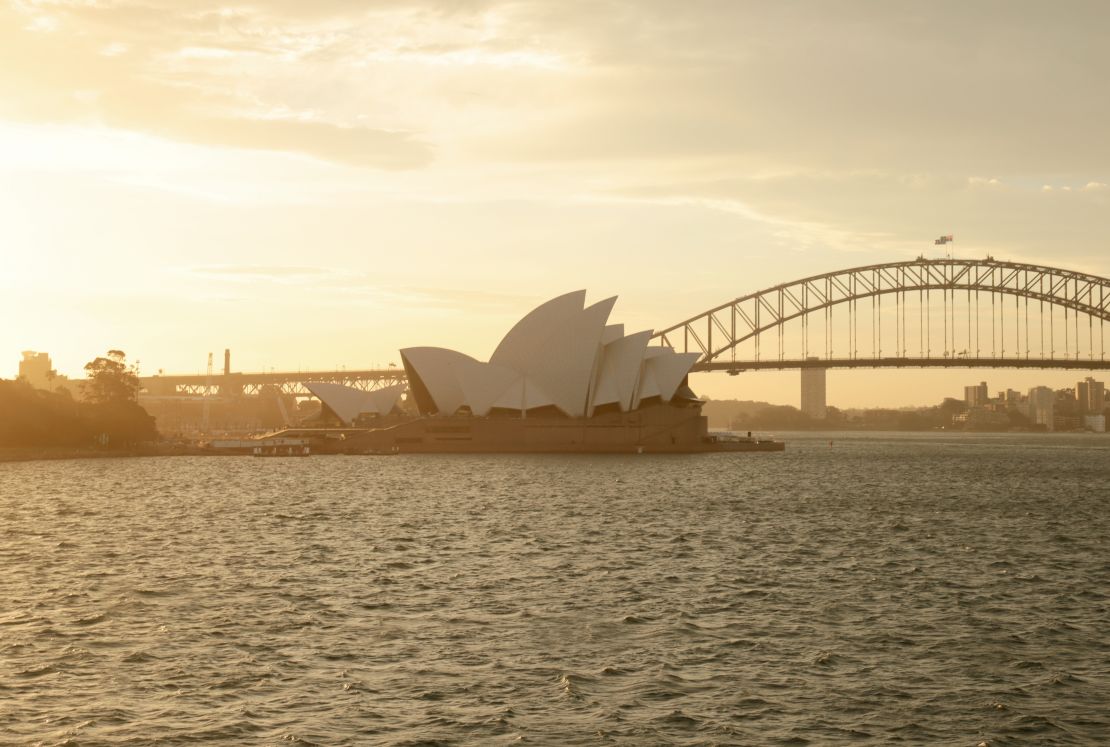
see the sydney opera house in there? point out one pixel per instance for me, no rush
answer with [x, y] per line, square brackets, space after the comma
[562, 379]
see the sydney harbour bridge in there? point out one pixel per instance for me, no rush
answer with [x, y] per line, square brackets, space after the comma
[950, 313]
[920, 313]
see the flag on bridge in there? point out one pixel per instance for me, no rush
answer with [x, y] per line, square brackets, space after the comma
[943, 240]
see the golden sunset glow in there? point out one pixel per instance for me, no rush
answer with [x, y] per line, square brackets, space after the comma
[178, 178]
[554, 372]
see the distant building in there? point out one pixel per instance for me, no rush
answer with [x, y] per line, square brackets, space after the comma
[813, 392]
[1090, 396]
[1067, 423]
[1041, 406]
[976, 396]
[1096, 423]
[982, 419]
[38, 371]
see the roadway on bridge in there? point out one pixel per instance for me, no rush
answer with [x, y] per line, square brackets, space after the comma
[951, 362]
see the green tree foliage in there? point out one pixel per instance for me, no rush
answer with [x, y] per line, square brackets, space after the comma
[775, 417]
[110, 415]
[950, 407]
[111, 394]
[764, 416]
[111, 380]
[33, 418]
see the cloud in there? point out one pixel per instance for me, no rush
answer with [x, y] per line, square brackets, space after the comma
[114, 70]
[901, 214]
[975, 88]
[249, 273]
[461, 298]
[837, 124]
[968, 88]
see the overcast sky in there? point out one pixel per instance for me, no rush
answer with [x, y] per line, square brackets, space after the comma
[315, 184]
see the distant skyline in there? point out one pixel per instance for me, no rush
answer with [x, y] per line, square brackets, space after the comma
[320, 184]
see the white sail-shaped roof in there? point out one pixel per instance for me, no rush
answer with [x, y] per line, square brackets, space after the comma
[662, 372]
[526, 341]
[619, 371]
[647, 386]
[565, 367]
[670, 370]
[382, 401]
[344, 401]
[561, 354]
[514, 397]
[522, 395]
[348, 403]
[612, 333]
[483, 384]
[434, 370]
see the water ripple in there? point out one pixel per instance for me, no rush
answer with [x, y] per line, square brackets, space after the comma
[918, 589]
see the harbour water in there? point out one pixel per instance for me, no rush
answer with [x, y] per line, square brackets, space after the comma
[878, 589]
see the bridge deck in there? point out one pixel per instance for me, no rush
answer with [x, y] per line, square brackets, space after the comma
[1084, 364]
[289, 382]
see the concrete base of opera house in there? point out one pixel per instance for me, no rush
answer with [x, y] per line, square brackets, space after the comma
[653, 429]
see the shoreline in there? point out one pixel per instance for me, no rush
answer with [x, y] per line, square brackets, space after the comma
[45, 454]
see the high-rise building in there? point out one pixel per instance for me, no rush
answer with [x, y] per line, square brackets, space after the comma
[1041, 406]
[1090, 396]
[976, 396]
[813, 392]
[38, 371]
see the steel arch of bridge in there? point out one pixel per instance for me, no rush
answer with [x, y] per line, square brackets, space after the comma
[720, 329]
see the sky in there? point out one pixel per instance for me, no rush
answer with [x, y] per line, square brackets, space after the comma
[317, 184]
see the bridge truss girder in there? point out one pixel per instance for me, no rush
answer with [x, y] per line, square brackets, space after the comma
[784, 364]
[289, 383]
[722, 328]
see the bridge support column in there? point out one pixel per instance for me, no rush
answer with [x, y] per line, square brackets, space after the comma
[813, 392]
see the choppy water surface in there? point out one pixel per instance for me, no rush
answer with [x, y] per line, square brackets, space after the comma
[914, 589]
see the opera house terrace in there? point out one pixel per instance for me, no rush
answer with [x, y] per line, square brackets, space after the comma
[562, 380]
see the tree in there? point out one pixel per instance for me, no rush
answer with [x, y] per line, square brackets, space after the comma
[782, 417]
[111, 380]
[30, 418]
[111, 400]
[950, 407]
